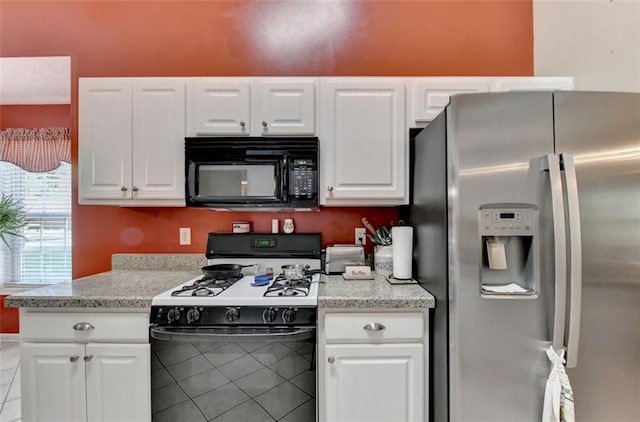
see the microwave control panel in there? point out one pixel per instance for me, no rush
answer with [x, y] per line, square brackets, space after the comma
[302, 176]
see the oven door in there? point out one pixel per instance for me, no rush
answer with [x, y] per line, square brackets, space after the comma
[244, 373]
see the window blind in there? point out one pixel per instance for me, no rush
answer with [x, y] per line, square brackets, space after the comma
[43, 254]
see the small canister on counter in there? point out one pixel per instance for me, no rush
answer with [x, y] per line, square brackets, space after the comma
[241, 227]
[383, 260]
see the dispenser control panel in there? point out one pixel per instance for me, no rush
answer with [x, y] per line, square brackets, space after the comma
[507, 221]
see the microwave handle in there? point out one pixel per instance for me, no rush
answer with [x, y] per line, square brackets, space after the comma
[284, 180]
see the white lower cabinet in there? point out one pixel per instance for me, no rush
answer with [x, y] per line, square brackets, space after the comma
[373, 367]
[374, 382]
[86, 378]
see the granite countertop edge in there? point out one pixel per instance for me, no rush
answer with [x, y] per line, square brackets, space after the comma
[378, 293]
[113, 289]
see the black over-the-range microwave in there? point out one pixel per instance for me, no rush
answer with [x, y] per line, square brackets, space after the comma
[252, 172]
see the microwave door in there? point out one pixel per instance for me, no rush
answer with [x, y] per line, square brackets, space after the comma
[242, 183]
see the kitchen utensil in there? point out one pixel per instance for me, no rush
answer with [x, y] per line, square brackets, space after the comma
[296, 271]
[262, 280]
[382, 236]
[220, 271]
[368, 225]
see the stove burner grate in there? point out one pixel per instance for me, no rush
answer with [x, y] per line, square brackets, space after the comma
[207, 286]
[283, 286]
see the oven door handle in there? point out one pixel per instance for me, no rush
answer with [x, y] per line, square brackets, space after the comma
[204, 334]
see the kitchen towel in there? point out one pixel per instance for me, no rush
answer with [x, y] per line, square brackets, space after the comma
[558, 403]
[402, 237]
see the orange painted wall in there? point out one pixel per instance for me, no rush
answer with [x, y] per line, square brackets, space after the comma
[35, 116]
[8, 318]
[250, 38]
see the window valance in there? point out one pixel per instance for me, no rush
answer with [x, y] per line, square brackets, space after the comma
[36, 150]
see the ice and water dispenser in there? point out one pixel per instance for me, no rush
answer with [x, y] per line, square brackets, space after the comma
[510, 254]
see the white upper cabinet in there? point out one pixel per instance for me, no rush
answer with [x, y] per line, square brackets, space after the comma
[248, 106]
[284, 107]
[526, 83]
[158, 135]
[104, 138]
[363, 142]
[131, 141]
[429, 96]
[219, 106]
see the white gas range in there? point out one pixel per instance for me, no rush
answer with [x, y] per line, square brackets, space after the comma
[239, 345]
[249, 296]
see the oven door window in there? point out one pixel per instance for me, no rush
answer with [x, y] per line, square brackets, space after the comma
[239, 183]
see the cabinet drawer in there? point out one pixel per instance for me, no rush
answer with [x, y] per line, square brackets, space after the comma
[59, 327]
[374, 326]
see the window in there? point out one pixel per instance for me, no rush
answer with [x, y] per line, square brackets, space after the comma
[42, 254]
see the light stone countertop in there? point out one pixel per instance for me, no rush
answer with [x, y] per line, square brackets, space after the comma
[113, 289]
[137, 278]
[133, 282]
[336, 292]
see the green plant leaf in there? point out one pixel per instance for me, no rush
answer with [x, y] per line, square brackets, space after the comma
[12, 218]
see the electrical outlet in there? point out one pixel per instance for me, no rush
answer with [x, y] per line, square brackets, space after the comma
[361, 236]
[185, 235]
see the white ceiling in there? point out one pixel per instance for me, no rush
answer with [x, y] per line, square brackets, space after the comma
[35, 80]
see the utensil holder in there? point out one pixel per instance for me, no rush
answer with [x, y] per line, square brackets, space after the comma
[383, 260]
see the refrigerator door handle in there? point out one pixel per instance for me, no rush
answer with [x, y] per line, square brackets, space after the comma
[552, 164]
[575, 261]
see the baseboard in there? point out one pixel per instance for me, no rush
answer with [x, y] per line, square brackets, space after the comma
[9, 338]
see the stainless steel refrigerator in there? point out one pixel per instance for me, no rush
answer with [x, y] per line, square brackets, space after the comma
[526, 209]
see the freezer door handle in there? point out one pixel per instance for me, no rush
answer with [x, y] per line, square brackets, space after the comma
[575, 260]
[552, 165]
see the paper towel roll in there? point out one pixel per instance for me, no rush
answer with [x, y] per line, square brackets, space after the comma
[402, 237]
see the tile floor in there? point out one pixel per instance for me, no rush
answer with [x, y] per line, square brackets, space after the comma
[10, 382]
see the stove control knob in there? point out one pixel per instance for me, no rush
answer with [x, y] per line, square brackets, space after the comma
[288, 315]
[173, 315]
[193, 315]
[269, 315]
[232, 314]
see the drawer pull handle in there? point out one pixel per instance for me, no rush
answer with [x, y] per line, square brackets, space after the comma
[331, 359]
[374, 326]
[83, 326]
[88, 358]
[74, 358]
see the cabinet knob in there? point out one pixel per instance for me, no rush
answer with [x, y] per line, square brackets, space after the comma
[74, 358]
[242, 124]
[82, 326]
[135, 189]
[374, 326]
[265, 124]
[124, 189]
[330, 188]
[331, 359]
[88, 358]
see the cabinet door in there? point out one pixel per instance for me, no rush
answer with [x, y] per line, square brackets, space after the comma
[219, 107]
[104, 138]
[158, 139]
[53, 386]
[531, 83]
[118, 382]
[284, 108]
[374, 382]
[429, 96]
[363, 142]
